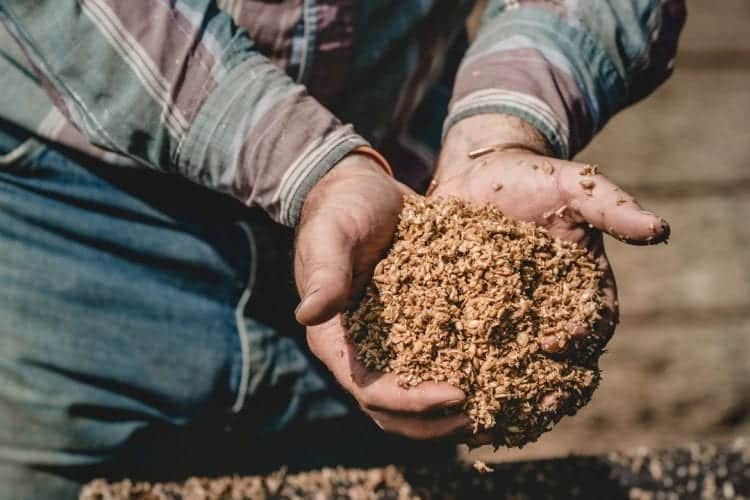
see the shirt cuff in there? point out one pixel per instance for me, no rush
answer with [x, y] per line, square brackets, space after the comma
[523, 106]
[261, 138]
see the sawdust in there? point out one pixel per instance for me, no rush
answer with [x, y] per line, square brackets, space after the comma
[481, 467]
[369, 484]
[490, 305]
[715, 472]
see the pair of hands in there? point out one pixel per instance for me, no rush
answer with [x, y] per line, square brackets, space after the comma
[349, 218]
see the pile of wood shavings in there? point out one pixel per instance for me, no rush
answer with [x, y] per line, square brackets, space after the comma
[696, 471]
[373, 484]
[466, 296]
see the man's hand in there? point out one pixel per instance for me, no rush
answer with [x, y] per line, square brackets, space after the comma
[347, 223]
[573, 201]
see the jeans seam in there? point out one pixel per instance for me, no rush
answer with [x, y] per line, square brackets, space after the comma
[23, 151]
[239, 316]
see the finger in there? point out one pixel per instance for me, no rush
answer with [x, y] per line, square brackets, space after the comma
[610, 209]
[376, 391]
[327, 341]
[553, 343]
[382, 392]
[556, 342]
[609, 312]
[323, 270]
[421, 428]
[551, 402]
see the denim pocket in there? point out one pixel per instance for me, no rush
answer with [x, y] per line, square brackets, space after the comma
[21, 155]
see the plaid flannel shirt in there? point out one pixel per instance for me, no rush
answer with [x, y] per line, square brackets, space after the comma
[250, 97]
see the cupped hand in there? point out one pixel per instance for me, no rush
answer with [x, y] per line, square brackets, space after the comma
[573, 201]
[347, 222]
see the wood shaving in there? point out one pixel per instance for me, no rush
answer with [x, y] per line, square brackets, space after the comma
[587, 183]
[466, 296]
[482, 467]
[589, 170]
[481, 152]
[686, 472]
[375, 484]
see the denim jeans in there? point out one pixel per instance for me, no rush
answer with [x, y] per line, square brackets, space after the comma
[146, 332]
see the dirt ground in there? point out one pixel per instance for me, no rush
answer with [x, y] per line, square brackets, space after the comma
[678, 368]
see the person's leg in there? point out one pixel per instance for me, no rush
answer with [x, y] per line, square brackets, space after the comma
[146, 331]
[122, 336]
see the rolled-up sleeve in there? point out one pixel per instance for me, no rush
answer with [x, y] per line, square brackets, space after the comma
[179, 88]
[566, 66]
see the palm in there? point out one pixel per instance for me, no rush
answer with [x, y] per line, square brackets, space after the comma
[570, 200]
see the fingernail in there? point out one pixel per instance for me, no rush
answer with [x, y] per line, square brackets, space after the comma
[666, 230]
[304, 300]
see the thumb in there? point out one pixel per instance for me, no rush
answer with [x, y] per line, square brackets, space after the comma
[608, 208]
[323, 271]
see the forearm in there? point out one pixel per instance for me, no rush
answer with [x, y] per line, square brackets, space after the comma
[566, 67]
[177, 87]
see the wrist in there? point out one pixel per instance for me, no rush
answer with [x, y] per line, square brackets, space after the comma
[373, 154]
[362, 161]
[353, 167]
[477, 132]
